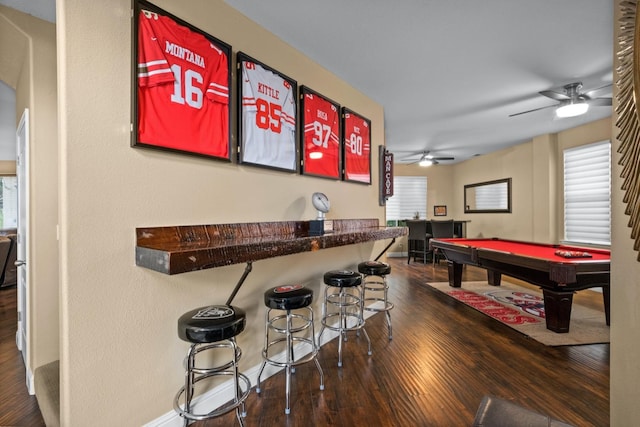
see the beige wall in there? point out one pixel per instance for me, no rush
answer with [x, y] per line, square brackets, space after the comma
[7, 167]
[625, 300]
[117, 338]
[535, 168]
[121, 359]
[28, 64]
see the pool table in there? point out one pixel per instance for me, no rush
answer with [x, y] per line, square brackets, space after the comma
[558, 276]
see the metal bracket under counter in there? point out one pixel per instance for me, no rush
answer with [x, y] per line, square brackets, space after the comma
[180, 249]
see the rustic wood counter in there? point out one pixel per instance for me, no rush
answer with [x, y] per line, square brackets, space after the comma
[180, 249]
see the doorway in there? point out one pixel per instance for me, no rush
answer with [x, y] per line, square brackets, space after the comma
[22, 171]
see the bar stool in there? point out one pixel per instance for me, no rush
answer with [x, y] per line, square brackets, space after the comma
[208, 329]
[290, 328]
[374, 282]
[346, 304]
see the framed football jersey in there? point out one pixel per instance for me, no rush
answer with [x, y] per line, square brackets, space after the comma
[319, 135]
[267, 119]
[182, 78]
[356, 144]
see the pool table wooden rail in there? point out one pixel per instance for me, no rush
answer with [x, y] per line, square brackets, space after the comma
[557, 277]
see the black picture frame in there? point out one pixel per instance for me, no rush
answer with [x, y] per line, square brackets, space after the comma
[267, 116]
[356, 147]
[440, 210]
[500, 196]
[189, 112]
[320, 135]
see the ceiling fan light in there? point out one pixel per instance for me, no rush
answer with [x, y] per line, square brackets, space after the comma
[424, 162]
[572, 109]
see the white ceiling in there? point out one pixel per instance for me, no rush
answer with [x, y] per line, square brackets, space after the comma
[43, 9]
[447, 72]
[450, 72]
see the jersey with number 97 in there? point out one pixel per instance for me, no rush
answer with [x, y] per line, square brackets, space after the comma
[183, 89]
[321, 140]
[268, 118]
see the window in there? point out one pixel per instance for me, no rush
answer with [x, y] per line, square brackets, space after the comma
[8, 202]
[587, 194]
[409, 197]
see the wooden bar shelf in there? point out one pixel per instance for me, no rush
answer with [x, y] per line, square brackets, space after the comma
[184, 248]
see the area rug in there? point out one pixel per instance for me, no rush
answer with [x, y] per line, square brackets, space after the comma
[523, 310]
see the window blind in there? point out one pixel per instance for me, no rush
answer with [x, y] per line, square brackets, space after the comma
[494, 196]
[409, 197]
[587, 194]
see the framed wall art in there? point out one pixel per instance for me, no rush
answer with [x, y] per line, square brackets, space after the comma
[266, 116]
[356, 143]
[182, 81]
[440, 210]
[320, 135]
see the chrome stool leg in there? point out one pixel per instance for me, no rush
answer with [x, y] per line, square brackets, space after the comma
[212, 328]
[347, 305]
[293, 328]
[376, 289]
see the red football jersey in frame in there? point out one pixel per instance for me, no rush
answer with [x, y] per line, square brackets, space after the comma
[357, 147]
[321, 140]
[183, 88]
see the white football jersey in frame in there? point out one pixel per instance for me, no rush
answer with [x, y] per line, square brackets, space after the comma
[268, 118]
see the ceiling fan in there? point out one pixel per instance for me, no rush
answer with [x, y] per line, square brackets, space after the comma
[425, 159]
[572, 101]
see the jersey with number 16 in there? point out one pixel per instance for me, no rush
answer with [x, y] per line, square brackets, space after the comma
[183, 88]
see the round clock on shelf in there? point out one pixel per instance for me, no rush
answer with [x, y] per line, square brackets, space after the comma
[321, 203]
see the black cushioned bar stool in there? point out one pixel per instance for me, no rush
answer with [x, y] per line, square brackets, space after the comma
[343, 301]
[212, 328]
[285, 328]
[374, 282]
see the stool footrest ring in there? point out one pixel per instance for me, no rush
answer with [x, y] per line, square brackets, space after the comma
[304, 359]
[228, 407]
[387, 305]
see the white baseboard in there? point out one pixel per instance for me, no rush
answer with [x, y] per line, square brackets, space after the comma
[397, 254]
[219, 395]
[31, 387]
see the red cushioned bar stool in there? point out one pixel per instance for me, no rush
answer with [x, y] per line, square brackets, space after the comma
[212, 329]
[342, 306]
[289, 330]
[374, 282]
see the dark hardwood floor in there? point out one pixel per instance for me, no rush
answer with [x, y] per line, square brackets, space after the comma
[17, 408]
[443, 358]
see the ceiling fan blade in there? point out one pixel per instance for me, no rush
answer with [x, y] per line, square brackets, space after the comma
[554, 95]
[597, 89]
[531, 111]
[443, 158]
[409, 160]
[600, 102]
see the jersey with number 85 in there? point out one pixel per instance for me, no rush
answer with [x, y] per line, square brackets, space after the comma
[268, 118]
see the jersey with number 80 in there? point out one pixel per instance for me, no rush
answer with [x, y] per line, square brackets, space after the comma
[357, 147]
[268, 118]
[183, 90]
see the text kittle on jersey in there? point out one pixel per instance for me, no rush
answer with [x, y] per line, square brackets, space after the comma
[268, 90]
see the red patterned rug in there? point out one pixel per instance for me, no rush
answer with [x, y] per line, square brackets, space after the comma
[523, 310]
[507, 306]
